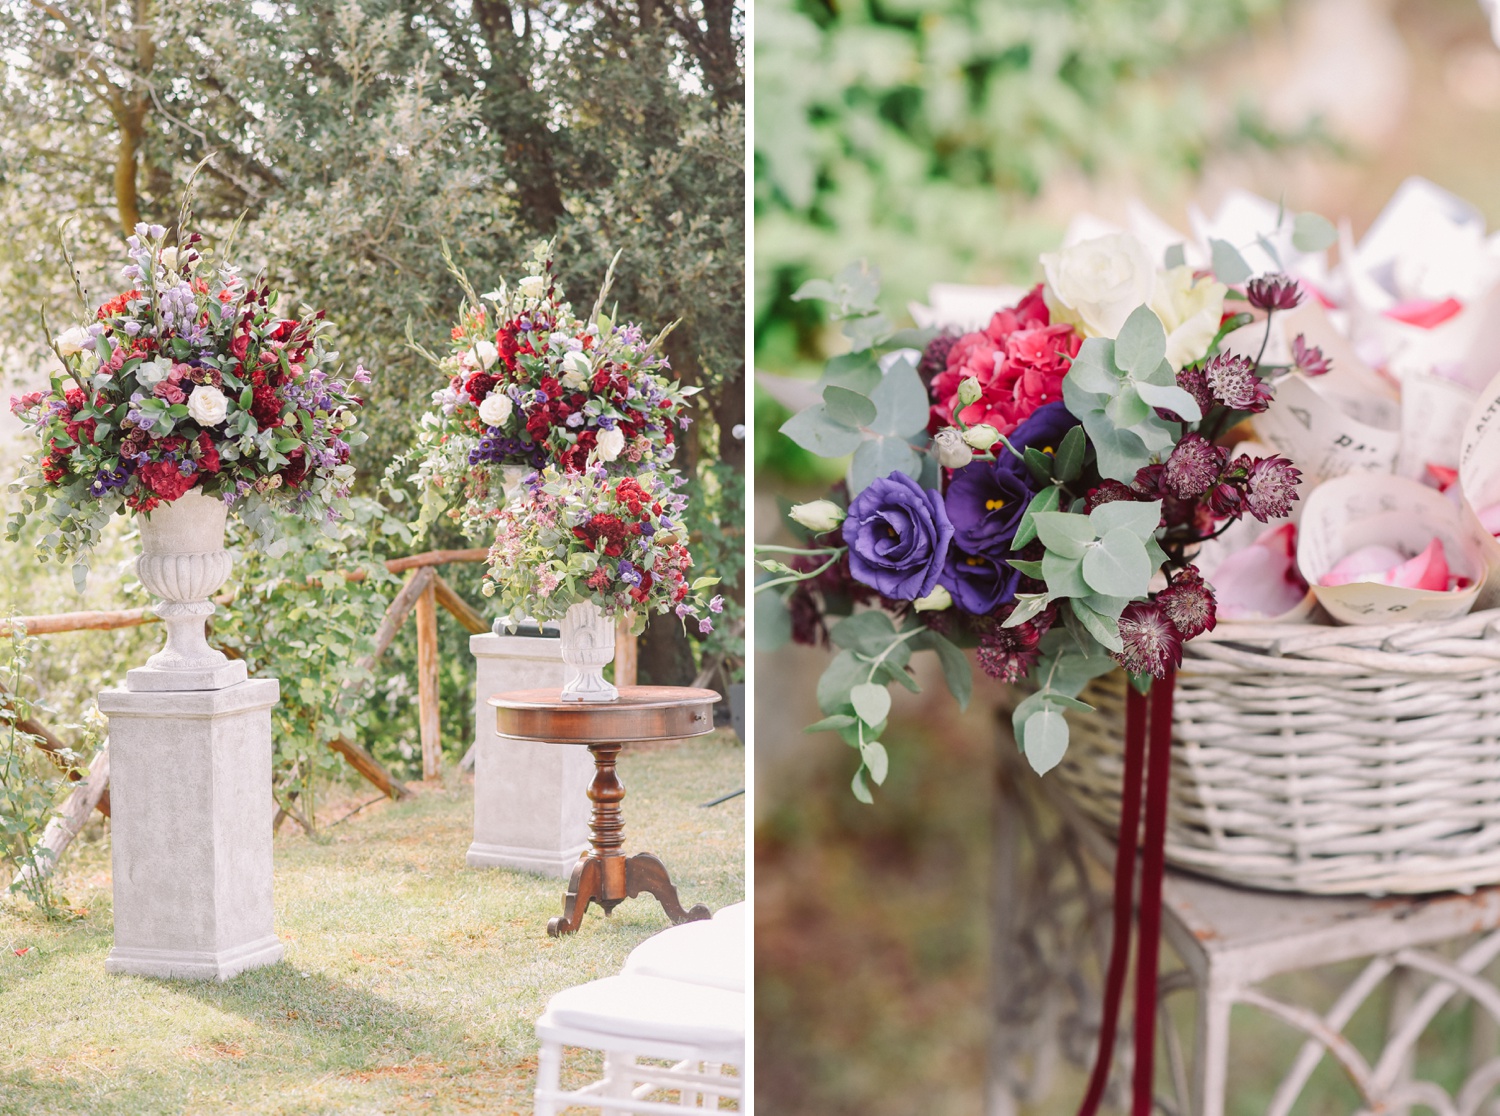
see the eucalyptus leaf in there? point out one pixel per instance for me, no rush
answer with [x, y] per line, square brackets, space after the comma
[1030, 569]
[1175, 256]
[1093, 369]
[1044, 501]
[1027, 606]
[818, 432]
[773, 623]
[867, 633]
[1312, 232]
[1127, 409]
[840, 676]
[860, 789]
[858, 371]
[957, 672]
[1103, 628]
[876, 759]
[848, 407]
[880, 457]
[1118, 565]
[1064, 533]
[1064, 576]
[1171, 398]
[828, 724]
[1045, 739]
[1142, 342]
[1228, 265]
[872, 702]
[901, 401]
[1140, 518]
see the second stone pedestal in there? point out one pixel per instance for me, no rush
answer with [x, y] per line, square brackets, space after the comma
[530, 805]
[191, 810]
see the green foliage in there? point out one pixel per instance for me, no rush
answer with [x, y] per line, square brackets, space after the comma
[30, 785]
[915, 132]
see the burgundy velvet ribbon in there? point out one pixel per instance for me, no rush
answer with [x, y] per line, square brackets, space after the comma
[1145, 776]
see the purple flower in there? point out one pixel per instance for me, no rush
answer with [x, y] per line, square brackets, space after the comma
[1043, 428]
[1270, 488]
[1193, 468]
[716, 605]
[1152, 645]
[898, 535]
[1309, 359]
[1273, 292]
[985, 502]
[1233, 381]
[978, 585]
[1192, 380]
[705, 625]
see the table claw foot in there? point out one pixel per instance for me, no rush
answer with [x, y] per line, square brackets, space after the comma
[644, 872]
[585, 884]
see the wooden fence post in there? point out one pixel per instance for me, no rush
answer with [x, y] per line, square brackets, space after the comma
[428, 683]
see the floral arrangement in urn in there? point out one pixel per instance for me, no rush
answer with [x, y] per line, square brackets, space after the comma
[192, 381]
[530, 384]
[1034, 489]
[584, 547]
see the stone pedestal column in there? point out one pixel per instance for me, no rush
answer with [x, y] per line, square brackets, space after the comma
[531, 807]
[190, 790]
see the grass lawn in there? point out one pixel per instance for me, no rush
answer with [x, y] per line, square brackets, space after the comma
[410, 982]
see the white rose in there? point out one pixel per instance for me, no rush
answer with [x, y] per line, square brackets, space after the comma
[207, 405]
[171, 260]
[1190, 310]
[152, 372]
[495, 409]
[533, 286]
[609, 445]
[485, 353]
[818, 515]
[576, 371]
[70, 341]
[1095, 284]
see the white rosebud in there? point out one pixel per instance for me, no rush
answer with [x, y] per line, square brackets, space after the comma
[495, 409]
[152, 372]
[533, 286]
[969, 391]
[952, 451]
[70, 341]
[576, 371]
[818, 516]
[485, 353]
[610, 445]
[981, 437]
[935, 601]
[207, 405]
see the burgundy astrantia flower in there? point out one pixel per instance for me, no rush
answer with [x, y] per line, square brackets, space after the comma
[1193, 468]
[1233, 382]
[1192, 380]
[1273, 292]
[807, 619]
[1152, 643]
[1270, 487]
[935, 356]
[1008, 654]
[1309, 359]
[1108, 492]
[1189, 603]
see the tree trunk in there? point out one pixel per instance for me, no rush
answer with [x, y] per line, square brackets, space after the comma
[665, 656]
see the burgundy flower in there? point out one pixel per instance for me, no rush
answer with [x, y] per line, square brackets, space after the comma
[1108, 492]
[1192, 381]
[935, 356]
[1193, 468]
[1152, 644]
[1273, 292]
[807, 618]
[1008, 654]
[1226, 500]
[1270, 487]
[1309, 359]
[1189, 603]
[1233, 382]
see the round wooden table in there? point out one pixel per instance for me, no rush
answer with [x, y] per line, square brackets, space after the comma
[604, 874]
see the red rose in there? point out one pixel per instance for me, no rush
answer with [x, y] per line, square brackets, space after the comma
[165, 479]
[208, 454]
[479, 385]
[550, 385]
[505, 341]
[240, 345]
[296, 468]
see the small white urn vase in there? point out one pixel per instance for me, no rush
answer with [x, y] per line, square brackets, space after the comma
[588, 646]
[182, 562]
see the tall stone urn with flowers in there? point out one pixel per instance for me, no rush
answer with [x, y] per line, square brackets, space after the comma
[182, 400]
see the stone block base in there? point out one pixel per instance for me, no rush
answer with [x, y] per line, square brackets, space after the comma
[544, 862]
[191, 810]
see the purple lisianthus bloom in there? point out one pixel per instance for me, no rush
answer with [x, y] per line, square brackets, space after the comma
[986, 500]
[1043, 428]
[978, 585]
[898, 534]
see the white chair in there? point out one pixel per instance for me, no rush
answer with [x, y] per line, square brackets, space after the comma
[711, 952]
[699, 1028]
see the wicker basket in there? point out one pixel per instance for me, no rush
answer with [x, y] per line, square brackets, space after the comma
[1331, 760]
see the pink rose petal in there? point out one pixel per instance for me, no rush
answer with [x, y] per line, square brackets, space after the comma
[1428, 570]
[1368, 563]
[1490, 517]
[1260, 581]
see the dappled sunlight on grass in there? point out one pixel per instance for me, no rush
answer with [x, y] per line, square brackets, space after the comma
[411, 982]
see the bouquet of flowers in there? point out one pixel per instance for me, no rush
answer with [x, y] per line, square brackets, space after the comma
[192, 378]
[618, 542]
[1035, 489]
[530, 384]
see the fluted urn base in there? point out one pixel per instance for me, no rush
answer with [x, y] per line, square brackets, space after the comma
[588, 646]
[182, 562]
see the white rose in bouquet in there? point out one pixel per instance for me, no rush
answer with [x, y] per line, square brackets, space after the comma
[610, 445]
[533, 286]
[70, 341]
[152, 372]
[576, 371]
[1095, 284]
[495, 409]
[485, 353]
[1190, 310]
[207, 405]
